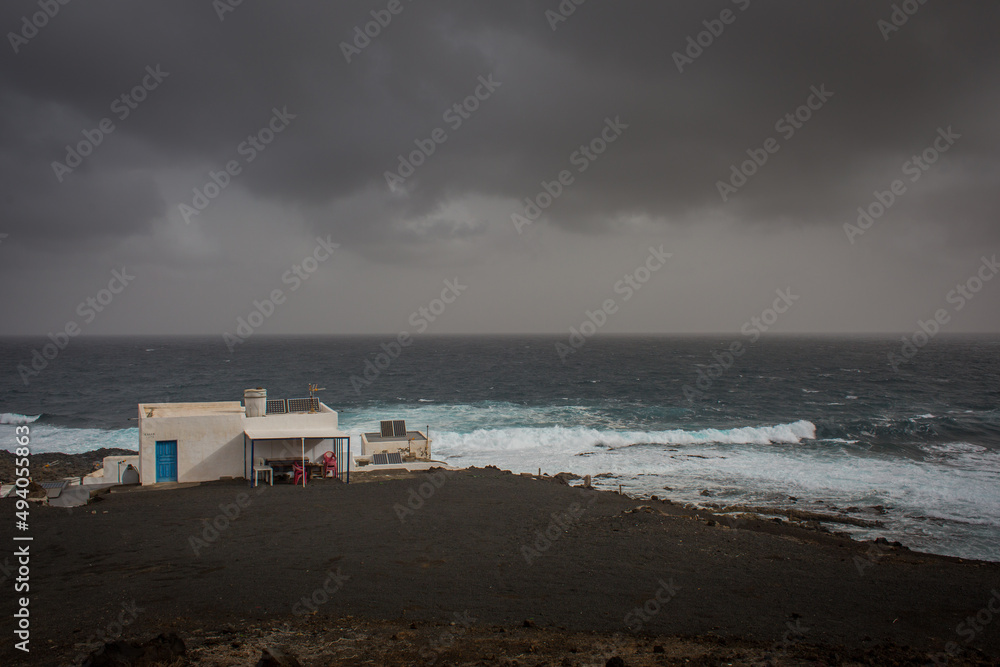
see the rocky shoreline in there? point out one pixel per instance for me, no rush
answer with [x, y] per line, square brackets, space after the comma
[54, 466]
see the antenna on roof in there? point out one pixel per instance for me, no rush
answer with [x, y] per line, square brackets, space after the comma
[313, 403]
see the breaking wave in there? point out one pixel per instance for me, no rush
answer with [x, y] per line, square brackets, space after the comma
[558, 438]
[16, 419]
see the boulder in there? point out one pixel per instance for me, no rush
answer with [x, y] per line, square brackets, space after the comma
[276, 657]
[164, 649]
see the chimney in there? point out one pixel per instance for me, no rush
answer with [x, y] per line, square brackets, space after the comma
[255, 402]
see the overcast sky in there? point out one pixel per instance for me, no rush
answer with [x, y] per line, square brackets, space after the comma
[676, 117]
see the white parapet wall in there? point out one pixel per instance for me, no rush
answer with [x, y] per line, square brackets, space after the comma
[96, 477]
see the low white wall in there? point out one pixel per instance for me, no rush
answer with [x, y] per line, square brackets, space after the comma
[112, 471]
[419, 447]
[93, 478]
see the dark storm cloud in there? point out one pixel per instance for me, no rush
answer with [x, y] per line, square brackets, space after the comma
[557, 88]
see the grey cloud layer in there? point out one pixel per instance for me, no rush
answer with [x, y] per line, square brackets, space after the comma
[324, 174]
[607, 59]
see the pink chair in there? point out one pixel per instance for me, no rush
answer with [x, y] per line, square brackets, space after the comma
[329, 464]
[300, 473]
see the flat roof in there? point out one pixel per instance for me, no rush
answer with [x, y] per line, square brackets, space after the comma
[266, 432]
[323, 424]
[153, 410]
[378, 437]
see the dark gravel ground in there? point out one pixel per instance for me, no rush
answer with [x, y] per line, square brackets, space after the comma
[297, 562]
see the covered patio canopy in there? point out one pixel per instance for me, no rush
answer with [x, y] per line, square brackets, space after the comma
[285, 431]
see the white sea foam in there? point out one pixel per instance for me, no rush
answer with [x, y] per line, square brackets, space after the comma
[45, 438]
[14, 418]
[576, 439]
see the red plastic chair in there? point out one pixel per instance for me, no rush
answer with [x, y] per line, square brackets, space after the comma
[300, 473]
[329, 463]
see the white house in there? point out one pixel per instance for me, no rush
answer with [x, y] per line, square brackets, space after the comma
[394, 439]
[200, 442]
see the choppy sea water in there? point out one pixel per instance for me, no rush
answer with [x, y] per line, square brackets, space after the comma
[826, 422]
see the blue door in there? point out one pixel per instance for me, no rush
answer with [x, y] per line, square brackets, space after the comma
[166, 460]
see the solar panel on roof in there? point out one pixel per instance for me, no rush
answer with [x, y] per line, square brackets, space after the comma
[53, 489]
[303, 404]
[393, 457]
[380, 459]
[399, 428]
[387, 429]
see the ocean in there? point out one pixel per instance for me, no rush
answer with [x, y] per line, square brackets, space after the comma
[809, 423]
